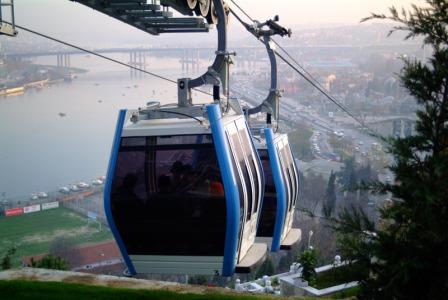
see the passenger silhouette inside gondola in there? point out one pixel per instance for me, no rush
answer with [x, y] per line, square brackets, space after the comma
[177, 174]
[128, 202]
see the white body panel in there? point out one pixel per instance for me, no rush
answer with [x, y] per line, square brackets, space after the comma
[162, 127]
[191, 265]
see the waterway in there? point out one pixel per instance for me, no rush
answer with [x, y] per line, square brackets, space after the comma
[42, 151]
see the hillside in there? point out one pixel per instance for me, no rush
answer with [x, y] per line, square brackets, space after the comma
[28, 283]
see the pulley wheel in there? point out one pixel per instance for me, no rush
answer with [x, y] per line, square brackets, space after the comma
[192, 4]
[212, 17]
[203, 8]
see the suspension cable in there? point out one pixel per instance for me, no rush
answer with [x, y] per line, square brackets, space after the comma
[104, 57]
[308, 77]
[242, 10]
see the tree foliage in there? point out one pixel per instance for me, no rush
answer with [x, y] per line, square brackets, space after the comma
[330, 196]
[267, 268]
[308, 260]
[406, 257]
[6, 259]
[50, 262]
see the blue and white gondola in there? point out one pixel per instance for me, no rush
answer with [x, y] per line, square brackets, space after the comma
[281, 192]
[184, 197]
[281, 175]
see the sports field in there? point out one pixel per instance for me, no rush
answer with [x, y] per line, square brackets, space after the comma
[33, 233]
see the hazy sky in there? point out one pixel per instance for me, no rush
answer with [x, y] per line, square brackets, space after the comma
[320, 11]
[77, 23]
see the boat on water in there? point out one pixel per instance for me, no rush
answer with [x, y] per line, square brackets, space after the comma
[37, 84]
[12, 91]
[64, 190]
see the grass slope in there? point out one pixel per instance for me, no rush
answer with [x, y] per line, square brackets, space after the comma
[23, 290]
[69, 291]
[33, 233]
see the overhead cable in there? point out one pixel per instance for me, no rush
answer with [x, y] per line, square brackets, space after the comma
[306, 75]
[103, 56]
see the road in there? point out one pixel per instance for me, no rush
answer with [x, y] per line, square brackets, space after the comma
[323, 127]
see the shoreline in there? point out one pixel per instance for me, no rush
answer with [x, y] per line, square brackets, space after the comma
[21, 89]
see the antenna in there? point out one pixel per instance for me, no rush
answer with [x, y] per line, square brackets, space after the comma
[7, 28]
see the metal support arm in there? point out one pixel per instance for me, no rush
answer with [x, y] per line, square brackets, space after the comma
[271, 105]
[210, 77]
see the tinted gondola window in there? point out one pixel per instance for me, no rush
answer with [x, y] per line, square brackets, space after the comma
[253, 166]
[295, 174]
[290, 176]
[269, 208]
[239, 183]
[284, 166]
[231, 130]
[240, 154]
[168, 197]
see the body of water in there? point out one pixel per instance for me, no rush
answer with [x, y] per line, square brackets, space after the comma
[42, 151]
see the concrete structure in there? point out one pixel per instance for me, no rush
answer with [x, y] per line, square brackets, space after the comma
[293, 284]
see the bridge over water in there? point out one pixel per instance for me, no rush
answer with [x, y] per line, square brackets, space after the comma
[190, 57]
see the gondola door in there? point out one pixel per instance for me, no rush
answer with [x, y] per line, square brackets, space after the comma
[246, 238]
[281, 150]
[253, 178]
[294, 183]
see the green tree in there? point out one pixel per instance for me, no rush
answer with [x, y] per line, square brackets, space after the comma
[267, 268]
[406, 257]
[50, 262]
[347, 174]
[6, 260]
[330, 196]
[308, 260]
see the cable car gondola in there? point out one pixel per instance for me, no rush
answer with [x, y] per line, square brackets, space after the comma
[281, 174]
[183, 196]
[281, 192]
[184, 186]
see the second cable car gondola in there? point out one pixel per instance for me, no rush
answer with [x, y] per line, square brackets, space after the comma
[281, 175]
[281, 192]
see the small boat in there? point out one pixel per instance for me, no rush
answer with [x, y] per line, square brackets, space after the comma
[42, 195]
[83, 185]
[64, 190]
[74, 188]
[97, 182]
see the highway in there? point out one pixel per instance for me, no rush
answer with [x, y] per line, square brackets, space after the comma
[322, 127]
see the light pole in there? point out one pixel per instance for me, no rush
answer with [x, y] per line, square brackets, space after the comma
[310, 234]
